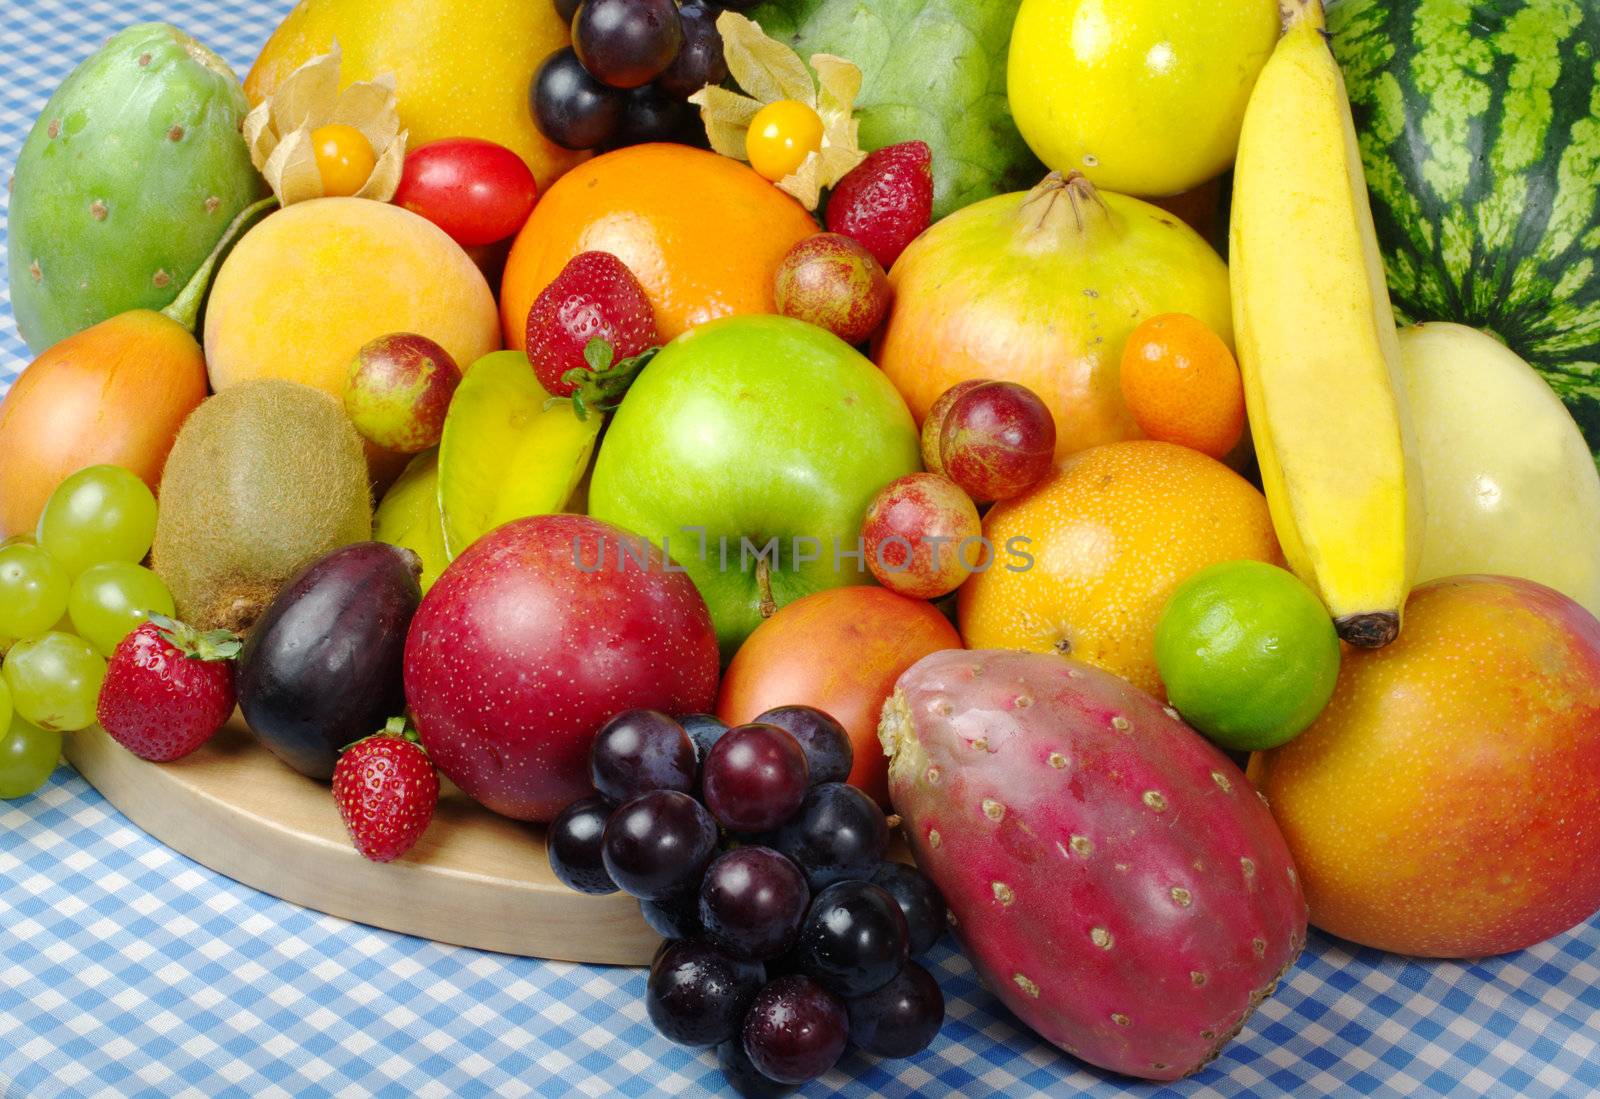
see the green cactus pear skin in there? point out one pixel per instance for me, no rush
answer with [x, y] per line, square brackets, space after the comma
[1114, 878]
[127, 179]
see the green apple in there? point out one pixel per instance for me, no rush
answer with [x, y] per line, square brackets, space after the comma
[748, 433]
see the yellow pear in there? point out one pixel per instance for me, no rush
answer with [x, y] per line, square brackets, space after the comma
[462, 67]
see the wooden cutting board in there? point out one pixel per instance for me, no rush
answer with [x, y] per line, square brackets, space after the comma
[475, 878]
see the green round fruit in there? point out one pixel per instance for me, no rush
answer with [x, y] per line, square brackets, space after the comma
[33, 590]
[27, 756]
[112, 599]
[54, 681]
[1248, 654]
[100, 513]
[748, 450]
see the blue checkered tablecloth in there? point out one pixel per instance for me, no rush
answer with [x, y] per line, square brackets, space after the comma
[127, 969]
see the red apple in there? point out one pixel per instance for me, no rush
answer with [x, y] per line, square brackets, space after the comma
[997, 441]
[834, 283]
[933, 425]
[532, 639]
[399, 390]
[922, 536]
[839, 650]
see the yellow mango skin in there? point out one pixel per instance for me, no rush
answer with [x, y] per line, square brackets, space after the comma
[1145, 97]
[302, 291]
[1443, 805]
[462, 67]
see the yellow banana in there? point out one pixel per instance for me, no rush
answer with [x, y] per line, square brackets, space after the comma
[1317, 343]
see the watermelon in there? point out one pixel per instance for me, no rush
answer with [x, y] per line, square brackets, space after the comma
[1479, 125]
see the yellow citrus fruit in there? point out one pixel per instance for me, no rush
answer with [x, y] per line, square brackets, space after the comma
[1145, 97]
[1107, 538]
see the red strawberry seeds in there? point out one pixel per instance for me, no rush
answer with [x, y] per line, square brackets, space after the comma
[886, 200]
[386, 789]
[168, 688]
[594, 298]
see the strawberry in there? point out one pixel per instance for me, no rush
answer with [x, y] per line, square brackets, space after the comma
[886, 200]
[590, 331]
[167, 688]
[386, 790]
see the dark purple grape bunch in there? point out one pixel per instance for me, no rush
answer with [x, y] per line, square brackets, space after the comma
[788, 934]
[631, 68]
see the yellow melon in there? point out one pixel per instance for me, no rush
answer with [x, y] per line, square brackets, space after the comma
[462, 67]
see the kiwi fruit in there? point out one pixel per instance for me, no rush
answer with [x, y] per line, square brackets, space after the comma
[264, 478]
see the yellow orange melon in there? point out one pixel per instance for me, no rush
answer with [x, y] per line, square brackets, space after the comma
[461, 67]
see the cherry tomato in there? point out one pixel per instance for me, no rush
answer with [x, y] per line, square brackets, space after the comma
[475, 190]
[782, 135]
[344, 158]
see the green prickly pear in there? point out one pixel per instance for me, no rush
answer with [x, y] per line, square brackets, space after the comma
[127, 180]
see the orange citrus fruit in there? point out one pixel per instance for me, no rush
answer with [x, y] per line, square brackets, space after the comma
[1182, 385]
[1085, 561]
[702, 233]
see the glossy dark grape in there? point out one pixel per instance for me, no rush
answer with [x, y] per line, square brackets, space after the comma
[705, 730]
[700, 61]
[565, 9]
[743, 1076]
[638, 751]
[572, 108]
[574, 843]
[674, 917]
[650, 116]
[920, 902]
[824, 741]
[752, 901]
[839, 834]
[900, 1018]
[755, 778]
[795, 1030]
[627, 43]
[658, 844]
[697, 995]
[854, 939]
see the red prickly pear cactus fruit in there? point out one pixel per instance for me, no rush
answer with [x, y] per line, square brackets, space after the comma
[1114, 878]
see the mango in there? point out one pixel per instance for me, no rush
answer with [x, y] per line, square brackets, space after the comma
[305, 289]
[1443, 805]
[462, 67]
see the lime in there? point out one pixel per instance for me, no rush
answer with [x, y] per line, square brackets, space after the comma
[1248, 654]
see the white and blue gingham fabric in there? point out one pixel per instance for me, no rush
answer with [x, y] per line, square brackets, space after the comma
[126, 969]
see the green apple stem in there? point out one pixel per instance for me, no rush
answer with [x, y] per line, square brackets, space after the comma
[767, 605]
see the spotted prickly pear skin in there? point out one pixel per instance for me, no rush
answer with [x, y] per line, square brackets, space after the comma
[1114, 878]
[125, 183]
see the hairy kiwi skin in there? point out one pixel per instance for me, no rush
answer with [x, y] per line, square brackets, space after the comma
[264, 478]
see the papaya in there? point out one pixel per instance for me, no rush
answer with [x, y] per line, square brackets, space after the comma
[115, 394]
